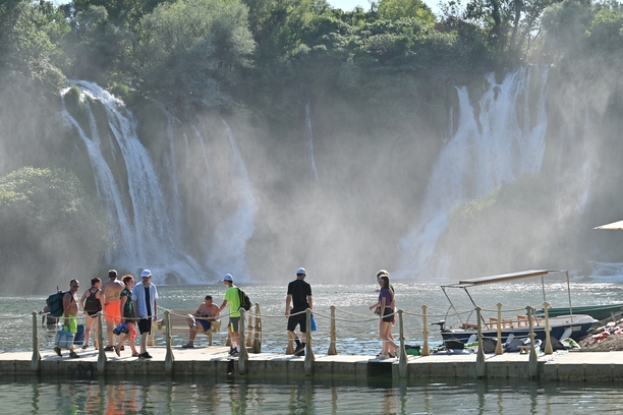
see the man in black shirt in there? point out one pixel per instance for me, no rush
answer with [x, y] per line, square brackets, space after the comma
[299, 293]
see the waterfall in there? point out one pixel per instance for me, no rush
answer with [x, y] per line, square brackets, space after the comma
[143, 231]
[309, 146]
[503, 141]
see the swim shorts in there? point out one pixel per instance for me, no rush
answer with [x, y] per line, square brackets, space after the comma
[112, 312]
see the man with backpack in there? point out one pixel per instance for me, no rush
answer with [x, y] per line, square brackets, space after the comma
[70, 316]
[92, 305]
[299, 293]
[232, 297]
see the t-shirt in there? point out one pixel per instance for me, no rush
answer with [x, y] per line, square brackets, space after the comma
[388, 298]
[299, 290]
[138, 295]
[128, 308]
[233, 299]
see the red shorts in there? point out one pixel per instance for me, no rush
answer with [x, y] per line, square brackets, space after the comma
[112, 312]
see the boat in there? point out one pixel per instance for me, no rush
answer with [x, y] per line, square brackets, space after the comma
[562, 326]
[599, 312]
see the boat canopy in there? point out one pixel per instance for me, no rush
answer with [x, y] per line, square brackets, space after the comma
[616, 226]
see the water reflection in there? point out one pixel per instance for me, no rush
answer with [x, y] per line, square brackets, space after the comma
[243, 396]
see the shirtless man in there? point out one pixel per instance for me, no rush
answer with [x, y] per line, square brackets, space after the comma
[70, 315]
[112, 311]
[205, 314]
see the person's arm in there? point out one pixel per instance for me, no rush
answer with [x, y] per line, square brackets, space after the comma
[311, 304]
[66, 302]
[135, 306]
[155, 310]
[383, 302]
[288, 300]
[84, 296]
[222, 306]
[216, 313]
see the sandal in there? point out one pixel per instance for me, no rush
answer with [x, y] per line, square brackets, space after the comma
[117, 351]
[109, 348]
[391, 356]
[73, 355]
[136, 354]
[381, 356]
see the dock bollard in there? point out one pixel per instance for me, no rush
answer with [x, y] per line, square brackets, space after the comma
[243, 356]
[101, 354]
[36, 356]
[533, 364]
[309, 354]
[169, 358]
[257, 333]
[402, 363]
[481, 368]
[548, 338]
[425, 349]
[498, 346]
[332, 350]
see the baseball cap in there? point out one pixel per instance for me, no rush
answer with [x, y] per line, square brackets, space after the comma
[301, 271]
[146, 273]
[228, 277]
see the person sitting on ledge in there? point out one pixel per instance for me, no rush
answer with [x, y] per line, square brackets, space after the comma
[201, 320]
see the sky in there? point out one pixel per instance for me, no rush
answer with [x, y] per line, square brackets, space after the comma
[348, 5]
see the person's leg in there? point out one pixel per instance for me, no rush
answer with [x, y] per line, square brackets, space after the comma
[132, 336]
[87, 331]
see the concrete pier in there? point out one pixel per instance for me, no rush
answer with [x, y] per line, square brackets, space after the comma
[214, 361]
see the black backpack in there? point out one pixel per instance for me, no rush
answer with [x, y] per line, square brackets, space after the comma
[245, 302]
[92, 303]
[55, 303]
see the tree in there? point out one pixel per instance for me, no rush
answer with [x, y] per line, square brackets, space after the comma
[191, 51]
[401, 9]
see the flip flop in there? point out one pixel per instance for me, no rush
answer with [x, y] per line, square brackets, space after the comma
[117, 351]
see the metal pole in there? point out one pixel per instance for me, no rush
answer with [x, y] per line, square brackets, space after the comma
[101, 356]
[402, 364]
[548, 338]
[36, 356]
[569, 294]
[332, 349]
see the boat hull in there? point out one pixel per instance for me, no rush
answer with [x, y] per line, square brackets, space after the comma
[579, 325]
[599, 312]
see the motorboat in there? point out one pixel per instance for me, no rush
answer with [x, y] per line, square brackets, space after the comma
[570, 325]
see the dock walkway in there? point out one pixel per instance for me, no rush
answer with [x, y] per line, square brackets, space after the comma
[214, 361]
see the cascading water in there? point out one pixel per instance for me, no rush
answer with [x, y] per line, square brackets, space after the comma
[149, 236]
[505, 140]
[309, 147]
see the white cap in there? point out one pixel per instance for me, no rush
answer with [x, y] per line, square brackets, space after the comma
[145, 273]
[301, 271]
[228, 277]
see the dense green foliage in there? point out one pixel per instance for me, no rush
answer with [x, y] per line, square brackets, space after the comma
[46, 215]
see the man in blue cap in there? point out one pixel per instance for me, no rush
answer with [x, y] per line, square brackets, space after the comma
[232, 297]
[299, 293]
[145, 300]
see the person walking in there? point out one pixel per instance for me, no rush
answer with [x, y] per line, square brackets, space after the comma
[201, 320]
[300, 295]
[232, 297]
[145, 303]
[127, 316]
[91, 305]
[70, 316]
[386, 303]
[112, 290]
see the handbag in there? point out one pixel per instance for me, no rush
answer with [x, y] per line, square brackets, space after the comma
[313, 323]
[64, 339]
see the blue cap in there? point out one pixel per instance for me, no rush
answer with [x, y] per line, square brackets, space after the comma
[145, 273]
[228, 277]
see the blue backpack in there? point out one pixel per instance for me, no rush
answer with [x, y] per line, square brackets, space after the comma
[55, 303]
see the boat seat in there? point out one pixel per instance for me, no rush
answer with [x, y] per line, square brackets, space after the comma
[522, 321]
[506, 323]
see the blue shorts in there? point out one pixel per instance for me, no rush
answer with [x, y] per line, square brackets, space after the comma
[204, 323]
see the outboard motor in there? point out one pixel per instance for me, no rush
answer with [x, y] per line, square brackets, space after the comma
[441, 324]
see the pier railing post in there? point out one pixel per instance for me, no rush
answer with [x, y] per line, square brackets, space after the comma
[36, 356]
[257, 333]
[533, 364]
[481, 368]
[548, 338]
[243, 356]
[101, 355]
[151, 340]
[498, 346]
[169, 358]
[309, 354]
[250, 329]
[332, 350]
[425, 349]
[402, 363]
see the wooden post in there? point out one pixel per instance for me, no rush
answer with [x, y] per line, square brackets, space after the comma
[548, 339]
[243, 357]
[533, 364]
[481, 368]
[402, 363]
[36, 356]
[257, 337]
[228, 341]
[101, 356]
[332, 349]
[425, 349]
[498, 346]
[309, 354]
[250, 329]
[151, 340]
[169, 358]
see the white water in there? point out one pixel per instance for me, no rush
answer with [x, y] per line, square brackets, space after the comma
[487, 150]
[309, 147]
[151, 236]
